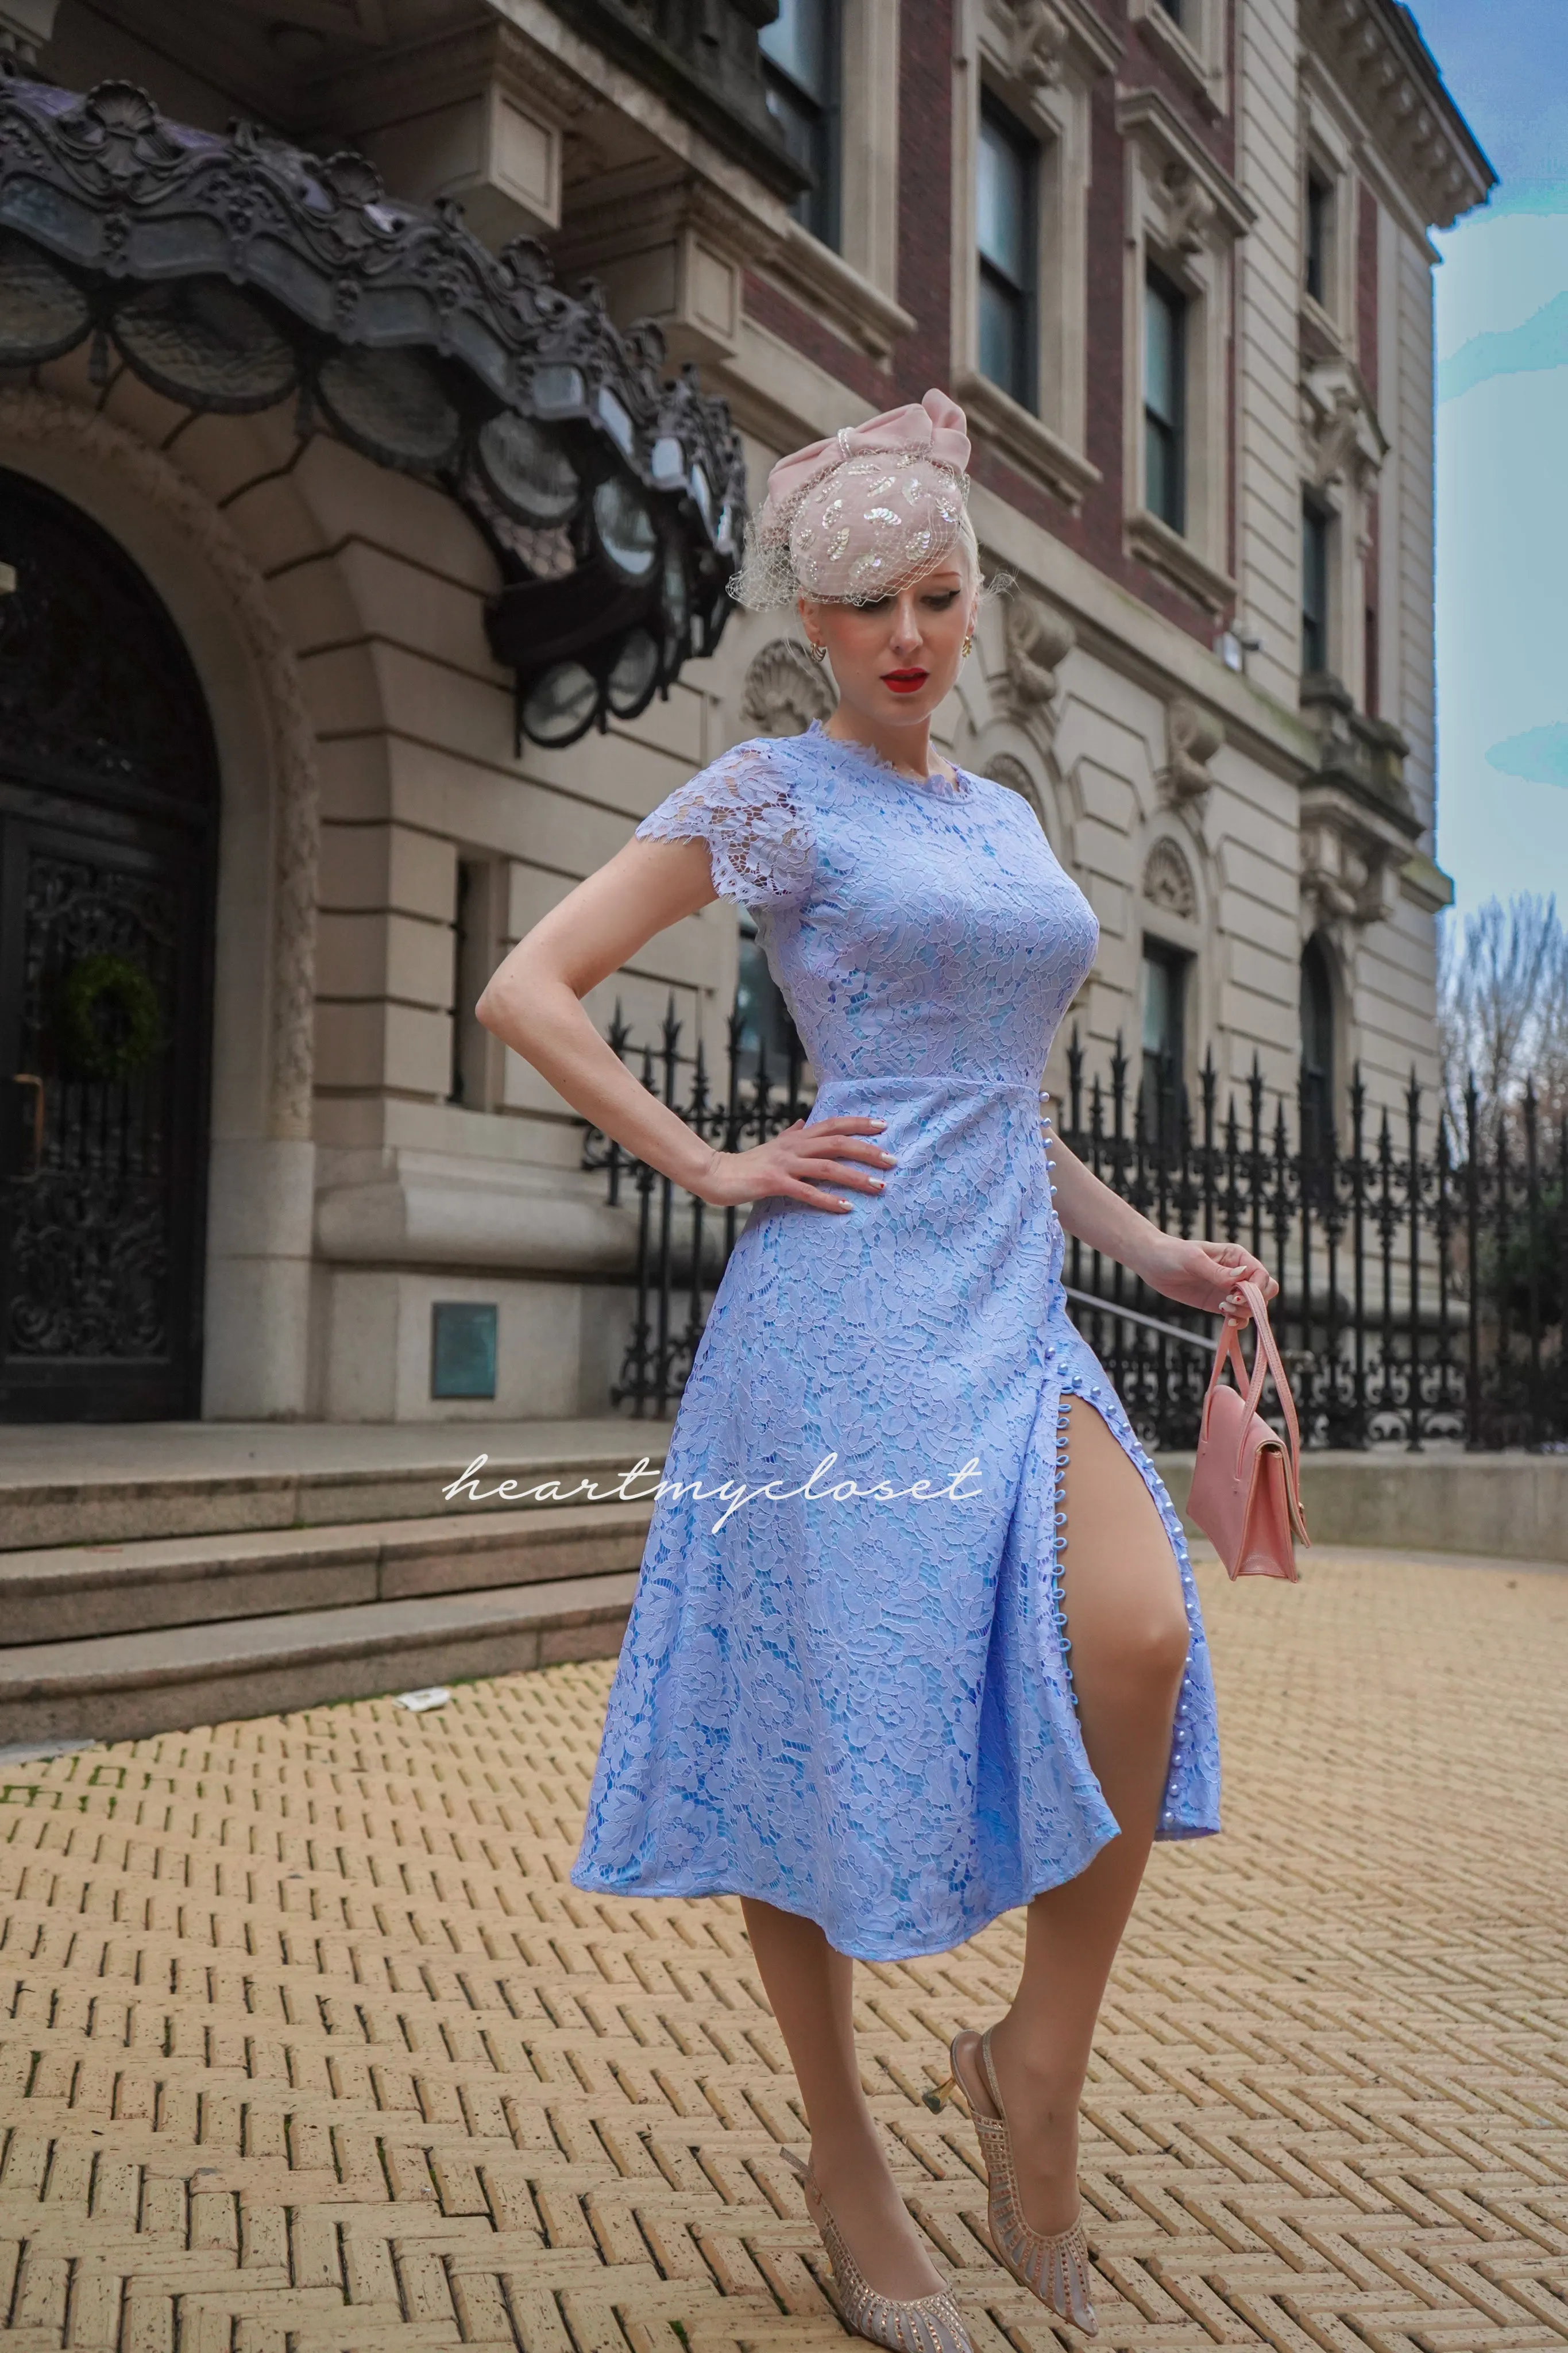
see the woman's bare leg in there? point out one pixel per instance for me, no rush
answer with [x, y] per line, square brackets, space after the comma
[1128, 1628]
[809, 1986]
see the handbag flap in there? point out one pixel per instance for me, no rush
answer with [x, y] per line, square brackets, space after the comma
[1245, 1492]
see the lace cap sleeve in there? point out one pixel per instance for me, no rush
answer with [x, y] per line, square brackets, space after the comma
[760, 843]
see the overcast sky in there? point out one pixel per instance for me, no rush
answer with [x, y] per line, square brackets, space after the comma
[1502, 458]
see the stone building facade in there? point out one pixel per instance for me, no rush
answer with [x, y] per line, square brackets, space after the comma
[1172, 255]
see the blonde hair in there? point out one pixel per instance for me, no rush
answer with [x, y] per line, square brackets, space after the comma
[987, 585]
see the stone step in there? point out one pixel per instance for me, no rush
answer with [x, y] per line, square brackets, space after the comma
[111, 1487]
[72, 1592]
[172, 1679]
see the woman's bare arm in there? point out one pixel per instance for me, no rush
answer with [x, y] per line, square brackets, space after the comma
[1198, 1273]
[532, 1002]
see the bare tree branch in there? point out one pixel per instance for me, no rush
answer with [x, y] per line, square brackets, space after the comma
[1503, 1008]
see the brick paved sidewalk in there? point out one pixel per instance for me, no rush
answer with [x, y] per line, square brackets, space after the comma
[306, 2044]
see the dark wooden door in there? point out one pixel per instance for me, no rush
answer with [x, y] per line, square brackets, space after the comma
[106, 812]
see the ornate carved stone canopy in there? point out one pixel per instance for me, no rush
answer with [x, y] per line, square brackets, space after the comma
[235, 273]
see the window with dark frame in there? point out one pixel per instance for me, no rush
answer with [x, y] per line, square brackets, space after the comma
[802, 70]
[1172, 9]
[1164, 400]
[1317, 1051]
[767, 1033]
[1371, 695]
[1320, 229]
[1162, 1083]
[1316, 527]
[1006, 185]
[473, 961]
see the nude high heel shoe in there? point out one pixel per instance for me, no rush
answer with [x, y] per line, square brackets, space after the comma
[921, 2324]
[1052, 2264]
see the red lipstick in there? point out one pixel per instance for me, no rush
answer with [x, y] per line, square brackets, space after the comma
[905, 682]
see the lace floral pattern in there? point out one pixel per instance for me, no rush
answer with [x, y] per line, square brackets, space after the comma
[859, 1706]
[758, 839]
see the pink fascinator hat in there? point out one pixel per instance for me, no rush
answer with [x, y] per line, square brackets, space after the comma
[849, 519]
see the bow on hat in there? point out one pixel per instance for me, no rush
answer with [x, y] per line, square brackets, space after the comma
[934, 427]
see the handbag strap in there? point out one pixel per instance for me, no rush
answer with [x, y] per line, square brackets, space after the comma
[1265, 1357]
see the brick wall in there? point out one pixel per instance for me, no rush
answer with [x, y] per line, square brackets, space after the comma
[1366, 290]
[925, 356]
[925, 185]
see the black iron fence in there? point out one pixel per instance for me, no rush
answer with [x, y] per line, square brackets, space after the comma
[1423, 1258]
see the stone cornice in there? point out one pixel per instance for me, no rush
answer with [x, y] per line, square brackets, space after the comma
[813, 273]
[1374, 51]
[1034, 39]
[1165, 551]
[1164, 35]
[1023, 439]
[1101, 47]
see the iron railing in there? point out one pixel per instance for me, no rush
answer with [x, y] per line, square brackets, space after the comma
[1422, 1259]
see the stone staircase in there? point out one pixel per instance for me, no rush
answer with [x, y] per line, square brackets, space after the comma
[151, 1589]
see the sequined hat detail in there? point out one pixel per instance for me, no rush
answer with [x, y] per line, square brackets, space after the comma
[851, 518]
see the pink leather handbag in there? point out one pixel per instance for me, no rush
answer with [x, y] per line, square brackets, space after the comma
[1245, 1493]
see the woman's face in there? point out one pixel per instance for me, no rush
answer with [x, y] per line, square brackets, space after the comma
[894, 661]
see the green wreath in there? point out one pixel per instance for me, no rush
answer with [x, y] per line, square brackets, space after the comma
[110, 1021]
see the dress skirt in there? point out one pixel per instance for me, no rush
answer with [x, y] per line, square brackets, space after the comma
[846, 1686]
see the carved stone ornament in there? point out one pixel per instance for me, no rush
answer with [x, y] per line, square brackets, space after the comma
[1168, 882]
[1190, 210]
[1344, 441]
[1040, 38]
[1350, 874]
[785, 690]
[1038, 641]
[1193, 736]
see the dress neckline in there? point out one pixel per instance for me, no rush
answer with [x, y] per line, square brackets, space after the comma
[955, 788]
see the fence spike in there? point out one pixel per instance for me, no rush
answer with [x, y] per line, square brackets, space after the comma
[1378, 1364]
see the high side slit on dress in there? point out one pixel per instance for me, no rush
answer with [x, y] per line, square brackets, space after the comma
[860, 1706]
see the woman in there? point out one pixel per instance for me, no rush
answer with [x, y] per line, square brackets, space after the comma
[847, 1696]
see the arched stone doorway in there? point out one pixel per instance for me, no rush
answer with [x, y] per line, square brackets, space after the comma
[108, 837]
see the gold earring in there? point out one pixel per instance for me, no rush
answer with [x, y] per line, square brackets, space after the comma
[968, 645]
[818, 653]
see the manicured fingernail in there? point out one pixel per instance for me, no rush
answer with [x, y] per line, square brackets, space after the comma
[878, 1122]
[875, 1184]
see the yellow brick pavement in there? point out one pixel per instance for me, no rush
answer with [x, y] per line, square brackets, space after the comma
[306, 2043]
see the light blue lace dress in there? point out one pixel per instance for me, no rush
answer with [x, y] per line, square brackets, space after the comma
[859, 1706]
